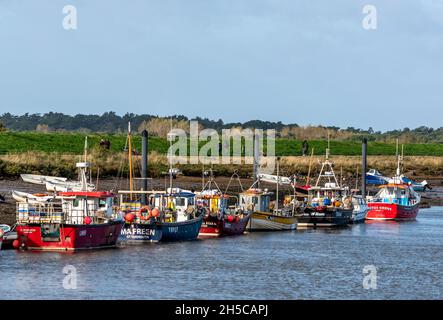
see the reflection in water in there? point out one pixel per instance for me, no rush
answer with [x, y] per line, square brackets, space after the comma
[303, 264]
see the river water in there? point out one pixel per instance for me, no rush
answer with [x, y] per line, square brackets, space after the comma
[404, 262]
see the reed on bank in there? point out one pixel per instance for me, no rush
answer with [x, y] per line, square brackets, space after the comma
[110, 164]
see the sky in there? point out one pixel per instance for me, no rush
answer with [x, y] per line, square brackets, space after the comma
[305, 62]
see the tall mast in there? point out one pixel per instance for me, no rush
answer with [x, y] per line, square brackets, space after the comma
[171, 135]
[131, 182]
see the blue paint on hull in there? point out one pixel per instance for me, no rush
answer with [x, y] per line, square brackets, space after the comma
[140, 233]
[181, 231]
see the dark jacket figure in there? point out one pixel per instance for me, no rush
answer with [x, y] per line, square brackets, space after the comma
[305, 148]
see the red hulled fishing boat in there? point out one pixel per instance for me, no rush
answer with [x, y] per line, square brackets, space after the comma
[73, 221]
[69, 220]
[395, 200]
[219, 220]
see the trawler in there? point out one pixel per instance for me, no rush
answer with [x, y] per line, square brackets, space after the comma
[327, 204]
[395, 200]
[70, 221]
[152, 216]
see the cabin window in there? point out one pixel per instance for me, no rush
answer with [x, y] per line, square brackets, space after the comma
[76, 203]
[102, 203]
[191, 201]
[180, 201]
[254, 200]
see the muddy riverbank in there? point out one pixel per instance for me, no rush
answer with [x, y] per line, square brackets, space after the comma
[433, 197]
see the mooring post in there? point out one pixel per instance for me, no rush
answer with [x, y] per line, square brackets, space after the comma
[364, 147]
[256, 163]
[144, 165]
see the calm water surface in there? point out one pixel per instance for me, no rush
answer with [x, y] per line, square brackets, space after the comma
[310, 264]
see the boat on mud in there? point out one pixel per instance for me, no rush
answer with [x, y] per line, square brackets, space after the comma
[20, 196]
[40, 179]
[375, 177]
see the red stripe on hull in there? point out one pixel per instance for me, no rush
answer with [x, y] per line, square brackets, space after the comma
[391, 211]
[70, 237]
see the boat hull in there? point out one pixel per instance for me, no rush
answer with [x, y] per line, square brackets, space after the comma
[328, 219]
[391, 211]
[263, 221]
[358, 216]
[180, 231]
[68, 237]
[140, 233]
[213, 227]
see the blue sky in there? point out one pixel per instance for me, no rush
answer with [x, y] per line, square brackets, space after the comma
[308, 62]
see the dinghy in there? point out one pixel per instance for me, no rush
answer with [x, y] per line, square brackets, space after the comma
[40, 179]
[67, 186]
[30, 198]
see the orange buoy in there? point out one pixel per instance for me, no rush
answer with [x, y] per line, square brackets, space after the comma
[155, 212]
[230, 218]
[87, 220]
[129, 217]
[16, 244]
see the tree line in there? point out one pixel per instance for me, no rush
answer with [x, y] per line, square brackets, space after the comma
[110, 122]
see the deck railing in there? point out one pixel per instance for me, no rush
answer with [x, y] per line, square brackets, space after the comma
[57, 213]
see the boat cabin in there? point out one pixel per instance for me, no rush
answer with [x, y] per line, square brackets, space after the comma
[81, 207]
[401, 194]
[327, 195]
[256, 200]
[213, 200]
[182, 203]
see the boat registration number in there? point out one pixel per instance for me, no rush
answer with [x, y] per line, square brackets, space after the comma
[173, 229]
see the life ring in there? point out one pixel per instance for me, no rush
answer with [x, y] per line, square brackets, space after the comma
[141, 213]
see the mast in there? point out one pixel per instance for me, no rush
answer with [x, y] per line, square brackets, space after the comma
[82, 166]
[278, 182]
[171, 135]
[131, 182]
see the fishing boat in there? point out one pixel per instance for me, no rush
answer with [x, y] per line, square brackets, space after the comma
[417, 186]
[328, 204]
[394, 201]
[265, 216]
[73, 221]
[2, 233]
[219, 219]
[152, 216]
[375, 177]
[360, 209]
[179, 218]
[9, 236]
